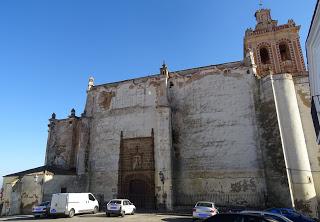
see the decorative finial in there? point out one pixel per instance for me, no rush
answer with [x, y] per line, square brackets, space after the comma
[164, 70]
[260, 4]
[73, 113]
[164, 64]
[91, 83]
[291, 22]
[53, 116]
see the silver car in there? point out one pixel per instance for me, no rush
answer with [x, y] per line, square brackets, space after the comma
[120, 207]
[267, 215]
[42, 209]
[203, 210]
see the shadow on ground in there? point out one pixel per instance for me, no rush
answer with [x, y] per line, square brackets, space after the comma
[23, 218]
[31, 218]
[92, 215]
[177, 219]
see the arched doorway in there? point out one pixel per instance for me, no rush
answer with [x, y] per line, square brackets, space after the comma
[138, 193]
[139, 189]
[136, 171]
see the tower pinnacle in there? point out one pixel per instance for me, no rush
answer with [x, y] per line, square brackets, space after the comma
[164, 70]
[275, 47]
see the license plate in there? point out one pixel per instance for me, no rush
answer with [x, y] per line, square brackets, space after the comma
[113, 208]
[203, 215]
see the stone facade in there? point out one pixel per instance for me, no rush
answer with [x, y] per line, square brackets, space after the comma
[24, 190]
[237, 134]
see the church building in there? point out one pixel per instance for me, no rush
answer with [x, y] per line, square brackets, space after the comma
[237, 134]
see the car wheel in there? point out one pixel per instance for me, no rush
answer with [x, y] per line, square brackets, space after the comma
[133, 211]
[71, 213]
[122, 213]
[107, 214]
[95, 210]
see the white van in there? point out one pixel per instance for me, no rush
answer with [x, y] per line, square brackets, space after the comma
[73, 203]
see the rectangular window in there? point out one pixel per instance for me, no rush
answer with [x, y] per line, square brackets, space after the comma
[91, 197]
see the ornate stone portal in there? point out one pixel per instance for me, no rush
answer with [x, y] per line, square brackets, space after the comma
[136, 171]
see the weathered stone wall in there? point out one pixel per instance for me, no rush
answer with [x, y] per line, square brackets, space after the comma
[31, 192]
[84, 147]
[272, 152]
[293, 141]
[11, 200]
[216, 145]
[304, 102]
[131, 107]
[54, 183]
[21, 194]
[63, 143]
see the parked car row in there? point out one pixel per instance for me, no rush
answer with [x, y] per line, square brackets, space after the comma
[70, 204]
[208, 212]
[239, 217]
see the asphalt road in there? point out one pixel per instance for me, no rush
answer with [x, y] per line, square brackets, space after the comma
[102, 217]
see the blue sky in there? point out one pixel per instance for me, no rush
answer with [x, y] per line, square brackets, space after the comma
[48, 50]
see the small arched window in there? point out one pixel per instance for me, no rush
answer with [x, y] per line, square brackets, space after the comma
[284, 51]
[264, 55]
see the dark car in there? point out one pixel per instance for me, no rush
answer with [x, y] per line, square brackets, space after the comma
[42, 209]
[239, 217]
[292, 214]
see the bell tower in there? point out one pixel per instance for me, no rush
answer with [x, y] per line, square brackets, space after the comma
[276, 48]
[277, 60]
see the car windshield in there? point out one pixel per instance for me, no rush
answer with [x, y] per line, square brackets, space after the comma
[115, 202]
[44, 204]
[203, 204]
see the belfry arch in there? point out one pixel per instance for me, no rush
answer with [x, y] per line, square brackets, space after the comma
[264, 55]
[284, 51]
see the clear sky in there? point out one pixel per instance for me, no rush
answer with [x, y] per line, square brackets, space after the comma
[48, 50]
